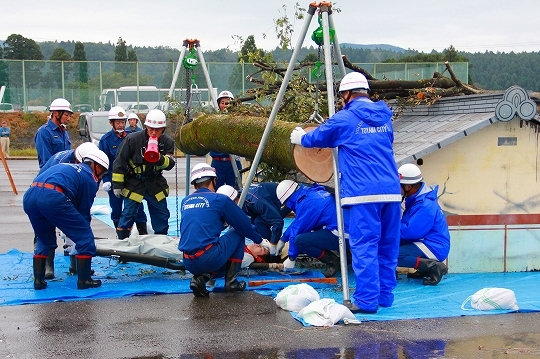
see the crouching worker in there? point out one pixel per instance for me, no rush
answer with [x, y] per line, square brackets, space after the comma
[61, 197]
[425, 239]
[207, 253]
[314, 229]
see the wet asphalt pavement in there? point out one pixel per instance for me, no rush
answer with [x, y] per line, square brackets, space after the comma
[238, 325]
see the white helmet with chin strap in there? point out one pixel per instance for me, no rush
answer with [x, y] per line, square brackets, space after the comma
[117, 113]
[225, 94]
[155, 119]
[202, 172]
[353, 81]
[60, 104]
[99, 157]
[285, 189]
[410, 174]
[83, 149]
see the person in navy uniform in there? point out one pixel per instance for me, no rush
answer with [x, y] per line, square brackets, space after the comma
[61, 197]
[222, 161]
[133, 120]
[53, 137]
[5, 132]
[109, 143]
[208, 253]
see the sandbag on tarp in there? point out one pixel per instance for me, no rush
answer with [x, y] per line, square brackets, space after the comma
[157, 245]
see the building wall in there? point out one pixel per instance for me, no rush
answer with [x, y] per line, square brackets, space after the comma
[489, 189]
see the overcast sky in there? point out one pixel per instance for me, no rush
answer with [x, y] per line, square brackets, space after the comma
[424, 25]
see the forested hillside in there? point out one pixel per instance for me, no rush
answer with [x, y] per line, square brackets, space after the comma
[489, 70]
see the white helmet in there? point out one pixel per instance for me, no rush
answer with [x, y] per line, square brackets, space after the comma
[225, 94]
[285, 189]
[202, 172]
[117, 113]
[155, 119]
[133, 115]
[228, 191]
[83, 149]
[410, 174]
[353, 81]
[60, 104]
[99, 157]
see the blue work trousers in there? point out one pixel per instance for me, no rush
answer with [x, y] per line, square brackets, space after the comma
[116, 210]
[159, 214]
[374, 243]
[49, 209]
[408, 255]
[315, 243]
[225, 172]
[229, 246]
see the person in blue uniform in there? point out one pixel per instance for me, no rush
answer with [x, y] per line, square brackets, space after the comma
[370, 191]
[61, 197]
[53, 137]
[67, 156]
[109, 143]
[133, 121]
[314, 230]
[264, 209]
[425, 238]
[207, 252]
[138, 174]
[5, 132]
[222, 161]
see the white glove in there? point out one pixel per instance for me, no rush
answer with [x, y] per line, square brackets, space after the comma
[288, 265]
[106, 186]
[271, 247]
[117, 192]
[279, 247]
[296, 136]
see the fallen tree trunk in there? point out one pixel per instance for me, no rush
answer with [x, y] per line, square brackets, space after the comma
[242, 136]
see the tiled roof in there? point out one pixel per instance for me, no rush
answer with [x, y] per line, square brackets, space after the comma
[425, 129]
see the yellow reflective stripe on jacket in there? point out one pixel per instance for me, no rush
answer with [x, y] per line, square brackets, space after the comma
[166, 163]
[162, 195]
[132, 195]
[137, 169]
[118, 177]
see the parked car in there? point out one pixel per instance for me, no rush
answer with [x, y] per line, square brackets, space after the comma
[93, 125]
[140, 108]
[83, 108]
[6, 107]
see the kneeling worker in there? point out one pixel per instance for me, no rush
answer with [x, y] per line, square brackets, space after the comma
[207, 253]
[425, 239]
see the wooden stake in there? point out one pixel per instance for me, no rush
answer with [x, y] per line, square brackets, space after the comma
[7, 171]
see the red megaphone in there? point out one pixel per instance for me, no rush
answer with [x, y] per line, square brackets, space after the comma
[152, 152]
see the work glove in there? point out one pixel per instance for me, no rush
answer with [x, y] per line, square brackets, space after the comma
[296, 136]
[288, 265]
[117, 192]
[279, 247]
[106, 186]
[271, 247]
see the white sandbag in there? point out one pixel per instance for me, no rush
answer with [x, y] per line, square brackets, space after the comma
[295, 297]
[325, 313]
[102, 209]
[492, 298]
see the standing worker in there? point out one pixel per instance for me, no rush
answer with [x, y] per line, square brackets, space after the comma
[61, 197]
[109, 143]
[207, 253]
[222, 161]
[425, 238]
[5, 132]
[133, 120]
[370, 190]
[53, 137]
[137, 174]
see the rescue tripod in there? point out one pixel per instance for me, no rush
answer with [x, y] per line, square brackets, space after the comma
[189, 62]
[327, 23]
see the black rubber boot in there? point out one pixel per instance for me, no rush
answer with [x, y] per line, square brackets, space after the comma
[39, 272]
[84, 268]
[333, 265]
[198, 285]
[434, 270]
[232, 284]
[142, 228]
[417, 275]
[73, 265]
[122, 233]
[49, 264]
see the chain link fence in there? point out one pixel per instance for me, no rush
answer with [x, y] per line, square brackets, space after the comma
[31, 85]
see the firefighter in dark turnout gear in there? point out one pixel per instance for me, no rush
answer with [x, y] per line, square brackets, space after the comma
[137, 174]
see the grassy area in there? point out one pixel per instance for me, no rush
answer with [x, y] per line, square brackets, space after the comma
[23, 152]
